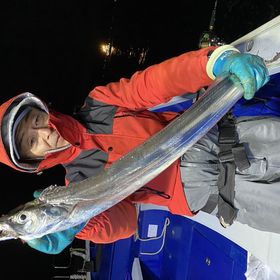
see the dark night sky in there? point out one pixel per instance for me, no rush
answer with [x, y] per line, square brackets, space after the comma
[50, 48]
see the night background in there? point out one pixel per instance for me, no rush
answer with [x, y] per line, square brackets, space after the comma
[52, 49]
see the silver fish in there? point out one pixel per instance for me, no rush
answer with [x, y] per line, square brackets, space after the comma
[61, 207]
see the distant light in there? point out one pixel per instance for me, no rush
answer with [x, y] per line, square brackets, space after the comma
[107, 49]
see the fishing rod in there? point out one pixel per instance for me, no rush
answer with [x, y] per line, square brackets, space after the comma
[209, 38]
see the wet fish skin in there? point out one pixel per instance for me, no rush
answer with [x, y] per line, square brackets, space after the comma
[31, 220]
[59, 208]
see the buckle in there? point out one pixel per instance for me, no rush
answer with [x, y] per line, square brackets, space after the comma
[226, 156]
[227, 135]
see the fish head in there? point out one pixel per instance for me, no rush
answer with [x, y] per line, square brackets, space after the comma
[32, 220]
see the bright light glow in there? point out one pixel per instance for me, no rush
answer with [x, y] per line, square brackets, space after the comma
[107, 49]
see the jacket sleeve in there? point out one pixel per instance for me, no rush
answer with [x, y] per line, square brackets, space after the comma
[158, 83]
[118, 222]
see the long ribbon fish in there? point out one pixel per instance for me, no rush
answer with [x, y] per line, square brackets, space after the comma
[61, 207]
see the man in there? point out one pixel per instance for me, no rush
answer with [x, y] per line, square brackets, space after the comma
[113, 120]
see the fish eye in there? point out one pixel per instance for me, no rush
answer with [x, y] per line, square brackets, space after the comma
[22, 217]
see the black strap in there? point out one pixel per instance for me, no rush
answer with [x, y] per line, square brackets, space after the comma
[230, 156]
[226, 183]
[211, 204]
[240, 157]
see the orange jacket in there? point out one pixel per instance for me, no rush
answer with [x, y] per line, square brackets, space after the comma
[157, 84]
[114, 120]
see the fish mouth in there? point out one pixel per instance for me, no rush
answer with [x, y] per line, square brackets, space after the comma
[8, 234]
[6, 231]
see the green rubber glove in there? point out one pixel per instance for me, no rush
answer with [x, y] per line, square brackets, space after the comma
[56, 242]
[250, 70]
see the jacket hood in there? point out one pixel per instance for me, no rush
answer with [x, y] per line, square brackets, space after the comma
[10, 111]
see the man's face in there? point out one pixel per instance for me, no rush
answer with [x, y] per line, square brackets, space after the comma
[34, 138]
